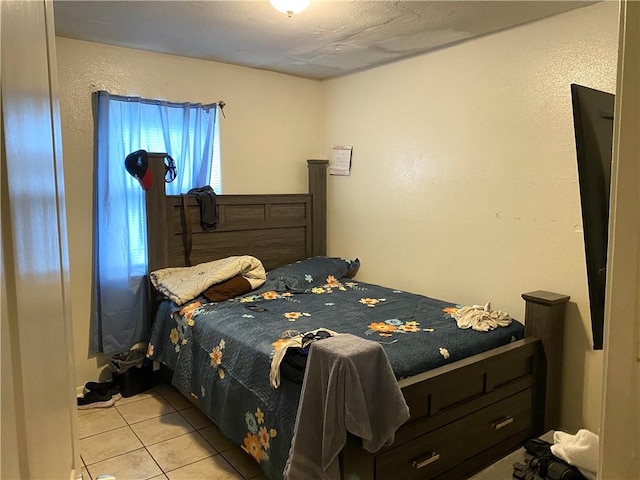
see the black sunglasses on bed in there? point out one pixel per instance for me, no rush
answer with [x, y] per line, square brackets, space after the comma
[310, 337]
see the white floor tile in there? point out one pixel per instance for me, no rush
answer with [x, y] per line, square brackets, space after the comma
[180, 451]
[136, 465]
[211, 468]
[100, 420]
[145, 409]
[102, 446]
[177, 400]
[158, 429]
[196, 418]
[85, 474]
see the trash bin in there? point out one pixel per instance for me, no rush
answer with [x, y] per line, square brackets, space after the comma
[132, 371]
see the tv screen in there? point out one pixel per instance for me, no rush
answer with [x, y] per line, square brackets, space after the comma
[593, 125]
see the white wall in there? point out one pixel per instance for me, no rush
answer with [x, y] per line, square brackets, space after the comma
[464, 179]
[273, 125]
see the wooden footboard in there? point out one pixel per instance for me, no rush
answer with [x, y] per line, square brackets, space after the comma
[466, 415]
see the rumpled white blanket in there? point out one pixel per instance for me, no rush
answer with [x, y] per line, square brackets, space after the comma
[348, 387]
[579, 450]
[183, 284]
[481, 318]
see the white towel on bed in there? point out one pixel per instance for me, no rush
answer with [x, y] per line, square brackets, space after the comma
[579, 450]
[481, 318]
[182, 284]
[348, 387]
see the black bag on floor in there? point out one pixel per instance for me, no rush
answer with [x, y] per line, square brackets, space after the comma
[541, 464]
[132, 371]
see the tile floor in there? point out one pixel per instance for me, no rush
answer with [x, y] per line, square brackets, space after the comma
[157, 435]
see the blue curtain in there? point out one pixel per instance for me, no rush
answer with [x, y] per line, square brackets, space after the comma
[186, 132]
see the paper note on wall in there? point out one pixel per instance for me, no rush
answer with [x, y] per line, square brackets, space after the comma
[340, 163]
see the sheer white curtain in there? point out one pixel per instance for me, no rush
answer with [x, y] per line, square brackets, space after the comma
[186, 132]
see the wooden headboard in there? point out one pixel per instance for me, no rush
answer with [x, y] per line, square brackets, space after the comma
[276, 228]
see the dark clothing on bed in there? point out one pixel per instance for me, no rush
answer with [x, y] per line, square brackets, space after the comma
[231, 288]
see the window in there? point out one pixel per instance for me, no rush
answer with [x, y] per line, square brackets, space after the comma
[189, 134]
[152, 136]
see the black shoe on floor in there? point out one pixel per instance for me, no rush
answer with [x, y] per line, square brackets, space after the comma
[95, 400]
[104, 389]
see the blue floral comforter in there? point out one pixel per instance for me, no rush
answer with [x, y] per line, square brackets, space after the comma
[221, 353]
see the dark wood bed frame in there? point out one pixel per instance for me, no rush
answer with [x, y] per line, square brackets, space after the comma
[464, 416]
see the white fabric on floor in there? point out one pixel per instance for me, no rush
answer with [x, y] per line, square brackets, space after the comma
[579, 450]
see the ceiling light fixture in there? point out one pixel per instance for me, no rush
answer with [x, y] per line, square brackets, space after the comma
[290, 6]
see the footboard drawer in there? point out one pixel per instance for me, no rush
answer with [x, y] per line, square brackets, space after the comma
[444, 448]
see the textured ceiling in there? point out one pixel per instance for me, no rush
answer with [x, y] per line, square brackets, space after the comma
[328, 39]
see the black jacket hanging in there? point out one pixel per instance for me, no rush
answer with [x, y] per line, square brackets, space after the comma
[206, 198]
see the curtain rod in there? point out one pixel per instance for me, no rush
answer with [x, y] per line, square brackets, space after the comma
[152, 101]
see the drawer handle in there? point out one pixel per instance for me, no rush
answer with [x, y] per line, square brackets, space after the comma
[423, 462]
[503, 422]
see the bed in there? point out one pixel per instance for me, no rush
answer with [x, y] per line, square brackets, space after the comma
[465, 412]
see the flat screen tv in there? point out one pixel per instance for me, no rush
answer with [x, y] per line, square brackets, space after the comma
[593, 125]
